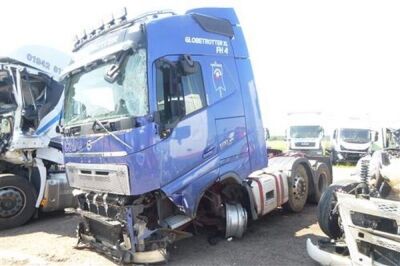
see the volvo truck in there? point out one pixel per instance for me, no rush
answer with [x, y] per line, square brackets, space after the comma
[32, 175]
[162, 134]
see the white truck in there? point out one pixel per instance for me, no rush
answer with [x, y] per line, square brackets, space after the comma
[31, 163]
[305, 132]
[361, 217]
[350, 143]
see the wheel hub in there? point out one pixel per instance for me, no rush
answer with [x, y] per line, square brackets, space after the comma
[11, 202]
[299, 187]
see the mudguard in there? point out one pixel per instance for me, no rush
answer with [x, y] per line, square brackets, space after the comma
[287, 163]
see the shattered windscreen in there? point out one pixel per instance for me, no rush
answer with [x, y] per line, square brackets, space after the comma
[89, 96]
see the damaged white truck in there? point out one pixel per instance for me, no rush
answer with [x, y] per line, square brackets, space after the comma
[32, 175]
[362, 218]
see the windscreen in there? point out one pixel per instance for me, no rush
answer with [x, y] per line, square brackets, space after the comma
[352, 135]
[89, 96]
[305, 131]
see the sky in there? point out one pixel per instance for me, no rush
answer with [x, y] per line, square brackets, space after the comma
[341, 58]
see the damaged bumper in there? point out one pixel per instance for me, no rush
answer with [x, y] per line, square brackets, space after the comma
[104, 235]
[128, 229]
[325, 257]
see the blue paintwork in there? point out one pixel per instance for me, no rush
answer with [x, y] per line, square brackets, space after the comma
[49, 124]
[224, 137]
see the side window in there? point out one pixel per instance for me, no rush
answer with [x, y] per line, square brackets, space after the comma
[179, 92]
[193, 90]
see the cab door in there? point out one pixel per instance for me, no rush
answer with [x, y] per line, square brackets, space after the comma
[186, 131]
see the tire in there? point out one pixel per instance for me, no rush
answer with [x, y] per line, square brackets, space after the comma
[17, 201]
[324, 180]
[327, 220]
[298, 189]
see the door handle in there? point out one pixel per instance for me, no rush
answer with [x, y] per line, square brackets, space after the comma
[209, 151]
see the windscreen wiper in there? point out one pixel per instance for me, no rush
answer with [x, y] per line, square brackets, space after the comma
[97, 122]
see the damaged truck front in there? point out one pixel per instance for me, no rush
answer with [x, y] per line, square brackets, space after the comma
[162, 133]
[31, 171]
[362, 217]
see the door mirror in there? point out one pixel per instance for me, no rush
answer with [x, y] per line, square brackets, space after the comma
[114, 70]
[187, 65]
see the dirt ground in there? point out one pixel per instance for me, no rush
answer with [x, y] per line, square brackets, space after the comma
[276, 239]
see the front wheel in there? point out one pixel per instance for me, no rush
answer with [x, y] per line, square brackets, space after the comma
[298, 189]
[17, 201]
[236, 220]
[328, 216]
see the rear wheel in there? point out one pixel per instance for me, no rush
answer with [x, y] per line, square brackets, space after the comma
[324, 180]
[298, 189]
[17, 201]
[328, 220]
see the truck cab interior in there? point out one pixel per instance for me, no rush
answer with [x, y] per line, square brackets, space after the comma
[39, 96]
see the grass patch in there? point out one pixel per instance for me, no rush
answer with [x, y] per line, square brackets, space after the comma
[345, 165]
[277, 144]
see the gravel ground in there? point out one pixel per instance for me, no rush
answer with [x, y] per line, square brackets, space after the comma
[277, 239]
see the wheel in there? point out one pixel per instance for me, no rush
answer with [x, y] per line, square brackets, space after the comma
[328, 220]
[17, 201]
[236, 220]
[324, 180]
[298, 189]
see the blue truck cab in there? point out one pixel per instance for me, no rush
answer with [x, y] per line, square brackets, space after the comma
[161, 127]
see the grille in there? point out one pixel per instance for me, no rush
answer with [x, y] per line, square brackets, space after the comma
[389, 208]
[109, 178]
[305, 144]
